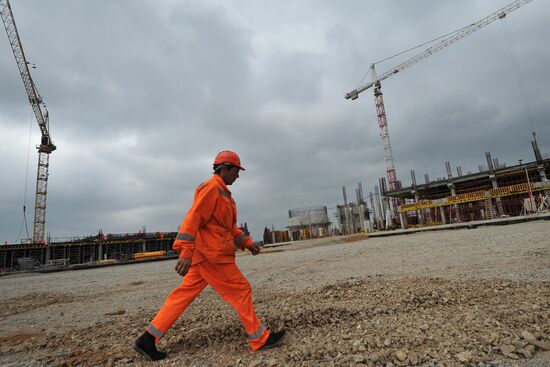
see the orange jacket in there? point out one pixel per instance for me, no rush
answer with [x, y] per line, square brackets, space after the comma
[209, 230]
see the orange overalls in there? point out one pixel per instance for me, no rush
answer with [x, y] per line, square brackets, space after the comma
[209, 236]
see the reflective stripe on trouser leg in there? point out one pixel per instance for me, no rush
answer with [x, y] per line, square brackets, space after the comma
[258, 332]
[154, 331]
[176, 302]
[233, 287]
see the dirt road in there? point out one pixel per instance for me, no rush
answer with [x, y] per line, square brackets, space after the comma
[460, 297]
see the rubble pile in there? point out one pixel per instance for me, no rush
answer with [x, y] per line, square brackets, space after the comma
[375, 321]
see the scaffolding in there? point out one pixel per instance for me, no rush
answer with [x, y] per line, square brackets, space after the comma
[86, 250]
[497, 192]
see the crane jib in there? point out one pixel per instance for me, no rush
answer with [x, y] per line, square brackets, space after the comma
[455, 36]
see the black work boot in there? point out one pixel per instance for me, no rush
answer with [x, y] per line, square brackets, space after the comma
[145, 345]
[274, 339]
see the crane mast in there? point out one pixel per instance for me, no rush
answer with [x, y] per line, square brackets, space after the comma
[376, 80]
[384, 134]
[41, 114]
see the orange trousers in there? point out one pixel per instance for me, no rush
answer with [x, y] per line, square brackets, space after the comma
[232, 286]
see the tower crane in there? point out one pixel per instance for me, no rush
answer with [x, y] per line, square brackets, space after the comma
[41, 113]
[377, 80]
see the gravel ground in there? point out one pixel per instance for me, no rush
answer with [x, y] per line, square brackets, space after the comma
[459, 297]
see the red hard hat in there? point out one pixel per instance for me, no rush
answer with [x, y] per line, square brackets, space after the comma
[227, 156]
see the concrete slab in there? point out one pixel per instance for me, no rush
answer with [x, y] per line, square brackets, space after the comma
[472, 224]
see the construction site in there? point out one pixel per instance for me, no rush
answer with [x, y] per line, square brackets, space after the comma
[445, 271]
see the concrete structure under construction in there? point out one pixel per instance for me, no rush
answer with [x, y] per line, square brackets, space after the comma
[88, 251]
[354, 217]
[497, 191]
[306, 223]
[85, 250]
[273, 236]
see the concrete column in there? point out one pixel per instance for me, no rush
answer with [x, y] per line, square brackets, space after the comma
[388, 204]
[389, 219]
[387, 210]
[442, 211]
[543, 178]
[368, 226]
[418, 212]
[497, 199]
[451, 186]
[453, 193]
[374, 216]
[361, 208]
[48, 253]
[348, 215]
[100, 251]
[379, 210]
[403, 219]
[413, 191]
[144, 247]
[339, 217]
[493, 179]
[542, 173]
[352, 225]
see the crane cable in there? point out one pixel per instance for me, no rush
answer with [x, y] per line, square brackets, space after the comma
[514, 59]
[26, 181]
[518, 76]
[410, 49]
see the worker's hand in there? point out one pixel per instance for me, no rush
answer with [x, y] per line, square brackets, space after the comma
[254, 249]
[182, 266]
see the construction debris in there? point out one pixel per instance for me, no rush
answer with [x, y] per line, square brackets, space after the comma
[392, 301]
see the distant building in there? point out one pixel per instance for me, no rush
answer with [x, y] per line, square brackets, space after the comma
[273, 236]
[306, 223]
[244, 228]
[353, 218]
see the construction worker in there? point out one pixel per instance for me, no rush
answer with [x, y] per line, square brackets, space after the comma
[206, 242]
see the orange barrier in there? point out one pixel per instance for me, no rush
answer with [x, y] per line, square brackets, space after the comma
[148, 255]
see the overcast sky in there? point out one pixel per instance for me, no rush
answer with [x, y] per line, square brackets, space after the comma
[143, 94]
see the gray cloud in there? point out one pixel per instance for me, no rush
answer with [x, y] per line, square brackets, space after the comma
[142, 96]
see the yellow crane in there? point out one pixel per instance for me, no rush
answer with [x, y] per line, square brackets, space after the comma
[41, 113]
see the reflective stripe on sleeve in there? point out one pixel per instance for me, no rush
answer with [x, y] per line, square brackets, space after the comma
[258, 332]
[185, 237]
[154, 331]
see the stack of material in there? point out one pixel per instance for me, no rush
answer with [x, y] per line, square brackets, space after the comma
[25, 263]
